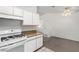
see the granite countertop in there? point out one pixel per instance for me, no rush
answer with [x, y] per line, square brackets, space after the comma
[31, 33]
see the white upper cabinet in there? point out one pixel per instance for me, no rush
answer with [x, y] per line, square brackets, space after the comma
[17, 12]
[36, 19]
[6, 10]
[27, 18]
[11, 12]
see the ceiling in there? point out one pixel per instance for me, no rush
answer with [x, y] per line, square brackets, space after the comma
[55, 9]
[29, 8]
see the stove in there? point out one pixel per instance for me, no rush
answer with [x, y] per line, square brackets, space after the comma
[12, 37]
[10, 41]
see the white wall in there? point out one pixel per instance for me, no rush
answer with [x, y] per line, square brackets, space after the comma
[61, 26]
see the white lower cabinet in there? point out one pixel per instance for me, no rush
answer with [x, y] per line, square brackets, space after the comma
[33, 44]
[39, 42]
[30, 46]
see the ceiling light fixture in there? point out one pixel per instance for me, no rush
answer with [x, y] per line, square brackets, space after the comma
[67, 12]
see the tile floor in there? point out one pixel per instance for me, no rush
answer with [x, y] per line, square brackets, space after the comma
[44, 49]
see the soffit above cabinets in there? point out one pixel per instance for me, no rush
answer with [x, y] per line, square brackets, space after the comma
[32, 9]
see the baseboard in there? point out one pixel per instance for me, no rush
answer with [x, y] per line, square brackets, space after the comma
[63, 38]
[39, 48]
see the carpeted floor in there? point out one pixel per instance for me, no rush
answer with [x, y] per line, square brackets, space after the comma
[61, 45]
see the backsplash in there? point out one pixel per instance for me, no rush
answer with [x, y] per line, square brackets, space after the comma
[28, 27]
[6, 24]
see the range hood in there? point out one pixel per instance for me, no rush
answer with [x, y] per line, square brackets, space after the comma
[11, 17]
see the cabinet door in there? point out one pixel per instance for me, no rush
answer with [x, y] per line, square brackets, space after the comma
[30, 46]
[27, 18]
[6, 10]
[39, 42]
[18, 12]
[36, 19]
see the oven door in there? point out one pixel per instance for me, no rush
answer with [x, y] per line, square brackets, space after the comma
[14, 47]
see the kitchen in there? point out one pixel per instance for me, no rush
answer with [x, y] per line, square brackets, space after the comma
[18, 30]
[39, 29]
